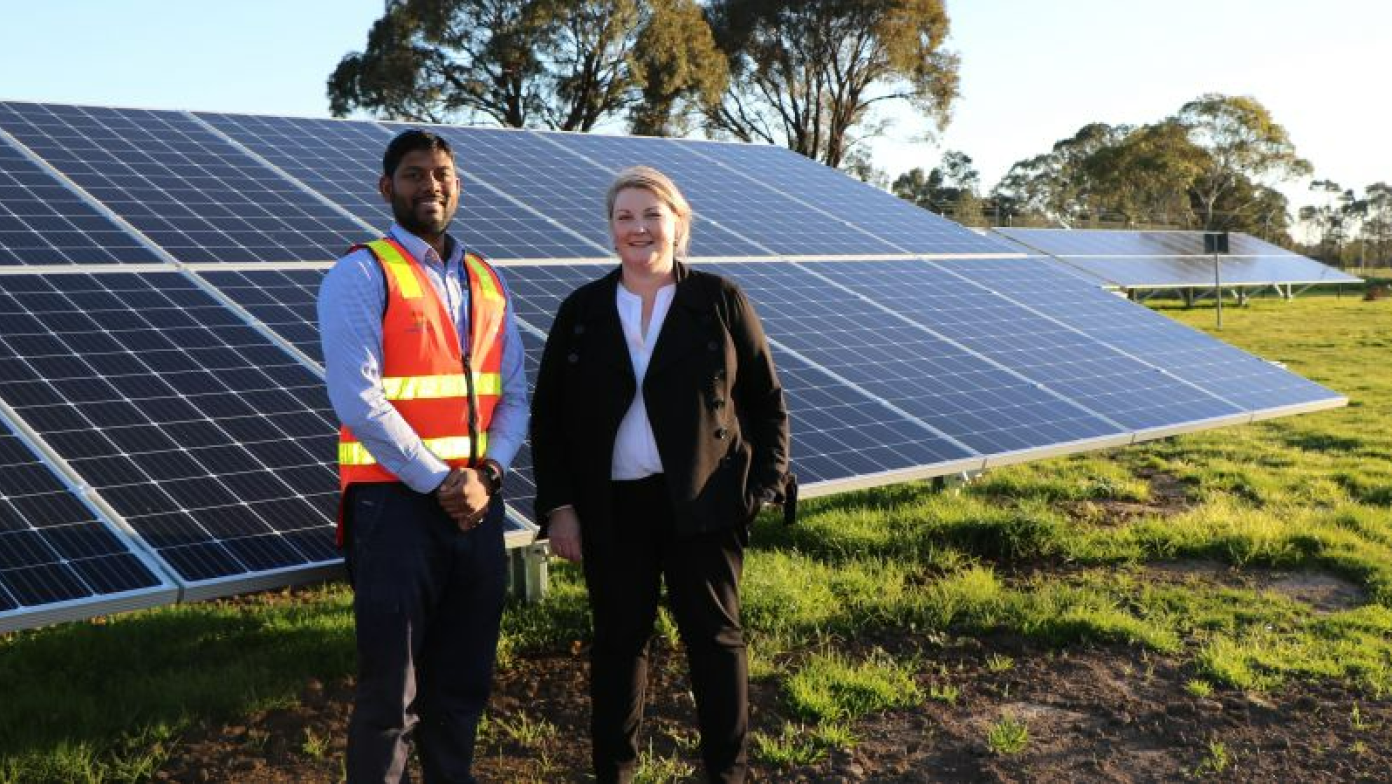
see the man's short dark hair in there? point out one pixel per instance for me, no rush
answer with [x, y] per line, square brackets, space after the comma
[410, 141]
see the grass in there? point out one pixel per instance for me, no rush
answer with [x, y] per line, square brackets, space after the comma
[1164, 546]
[1008, 736]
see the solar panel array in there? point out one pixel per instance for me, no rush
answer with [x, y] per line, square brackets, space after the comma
[1173, 259]
[164, 430]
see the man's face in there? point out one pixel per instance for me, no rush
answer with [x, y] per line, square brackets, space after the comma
[424, 192]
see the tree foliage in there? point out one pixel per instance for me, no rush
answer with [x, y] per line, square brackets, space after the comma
[528, 63]
[1348, 228]
[1244, 143]
[1210, 166]
[806, 73]
[1058, 183]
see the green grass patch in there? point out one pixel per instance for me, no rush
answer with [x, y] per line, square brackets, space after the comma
[830, 688]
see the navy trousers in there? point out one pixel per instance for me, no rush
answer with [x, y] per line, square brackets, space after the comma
[627, 559]
[427, 601]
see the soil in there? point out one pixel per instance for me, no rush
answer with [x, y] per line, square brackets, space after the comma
[1111, 713]
[1093, 713]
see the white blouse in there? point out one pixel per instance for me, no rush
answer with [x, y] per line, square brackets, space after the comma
[635, 449]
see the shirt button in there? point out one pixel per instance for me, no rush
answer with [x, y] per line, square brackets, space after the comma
[720, 374]
[721, 433]
[718, 402]
[573, 358]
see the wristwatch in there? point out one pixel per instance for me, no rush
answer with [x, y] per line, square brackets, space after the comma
[491, 472]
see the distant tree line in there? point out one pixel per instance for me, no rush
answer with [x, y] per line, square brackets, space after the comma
[802, 73]
[1348, 229]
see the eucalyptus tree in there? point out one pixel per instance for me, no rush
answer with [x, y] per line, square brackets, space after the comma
[807, 73]
[563, 64]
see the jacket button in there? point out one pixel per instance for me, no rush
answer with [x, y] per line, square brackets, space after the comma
[721, 433]
[712, 346]
[579, 329]
[573, 358]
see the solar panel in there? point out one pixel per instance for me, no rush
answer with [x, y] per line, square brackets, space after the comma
[59, 559]
[1173, 259]
[990, 408]
[1101, 379]
[210, 442]
[1256, 386]
[181, 185]
[339, 160]
[909, 229]
[203, 447]
[44, 222]
[343, 161]
[775, 222]
[283, 300]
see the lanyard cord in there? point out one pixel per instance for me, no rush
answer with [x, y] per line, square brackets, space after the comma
[468, 346]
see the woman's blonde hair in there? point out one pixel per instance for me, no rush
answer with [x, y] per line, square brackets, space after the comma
[661, 186]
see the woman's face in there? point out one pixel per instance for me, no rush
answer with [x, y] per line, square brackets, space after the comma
[644, 230]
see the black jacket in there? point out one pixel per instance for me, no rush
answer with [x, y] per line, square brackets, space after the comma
[712, 397]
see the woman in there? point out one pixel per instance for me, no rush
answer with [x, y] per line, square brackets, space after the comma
[658, 431]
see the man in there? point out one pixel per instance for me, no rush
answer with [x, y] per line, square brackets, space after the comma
[424, 369]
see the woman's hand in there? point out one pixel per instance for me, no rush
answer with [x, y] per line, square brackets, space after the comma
[563, 531]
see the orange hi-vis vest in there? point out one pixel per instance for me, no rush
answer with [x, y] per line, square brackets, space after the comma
[423, 364]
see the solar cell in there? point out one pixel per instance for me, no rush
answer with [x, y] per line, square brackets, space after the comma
[210, 442]
[43, 222]
[181, 185]
[1254, 385]
[58, 558]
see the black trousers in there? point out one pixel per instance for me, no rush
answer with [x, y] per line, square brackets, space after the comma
[428, 599]
[626, 560]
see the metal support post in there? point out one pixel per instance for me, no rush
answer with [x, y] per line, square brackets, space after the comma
[527, 571]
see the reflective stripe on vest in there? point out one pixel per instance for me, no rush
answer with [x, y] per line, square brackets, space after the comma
[449, 448]
[432, 387]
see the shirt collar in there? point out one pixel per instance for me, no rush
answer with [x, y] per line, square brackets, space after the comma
[421, 250]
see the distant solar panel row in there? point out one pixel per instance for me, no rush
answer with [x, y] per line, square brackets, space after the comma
[1173, 259]
[207, 444]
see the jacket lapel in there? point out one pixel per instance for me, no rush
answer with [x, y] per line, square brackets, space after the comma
[686, 327]
[603, 319]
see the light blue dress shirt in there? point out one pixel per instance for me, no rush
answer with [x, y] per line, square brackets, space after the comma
[352, 299]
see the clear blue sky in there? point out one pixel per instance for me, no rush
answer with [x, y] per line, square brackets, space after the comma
[1032, 72]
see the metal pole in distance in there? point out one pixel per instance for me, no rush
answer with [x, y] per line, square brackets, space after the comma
[1216, 242]
[1218, 289]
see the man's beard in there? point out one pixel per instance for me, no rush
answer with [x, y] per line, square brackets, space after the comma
[405, 214]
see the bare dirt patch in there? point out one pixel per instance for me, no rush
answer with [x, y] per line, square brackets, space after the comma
[1323, 592]
[1093, 714]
